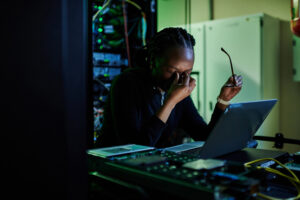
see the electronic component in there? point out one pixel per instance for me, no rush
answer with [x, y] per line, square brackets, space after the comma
[119, 28]
[292, 166]
[146, 161]
[118, 150]
[296, 157]
[156, 169]
[204, 164]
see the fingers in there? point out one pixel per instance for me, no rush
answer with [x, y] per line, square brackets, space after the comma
[192, 84]
[176, 79]
[192, 80]
[189, 82]
[186, 79]
[236, 82]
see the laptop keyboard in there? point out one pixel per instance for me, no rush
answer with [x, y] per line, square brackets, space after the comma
[193, 152]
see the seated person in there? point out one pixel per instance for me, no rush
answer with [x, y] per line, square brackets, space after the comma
[147, 104]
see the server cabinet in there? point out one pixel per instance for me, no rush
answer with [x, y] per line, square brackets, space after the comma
[198, 95]
[253, 43]
[296, 58]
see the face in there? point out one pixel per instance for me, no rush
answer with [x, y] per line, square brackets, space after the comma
[177, 59]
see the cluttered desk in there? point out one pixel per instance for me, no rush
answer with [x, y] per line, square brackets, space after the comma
[140, 172]
[213, 169]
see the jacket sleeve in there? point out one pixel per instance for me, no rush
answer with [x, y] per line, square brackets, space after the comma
[128, 120]
[194, 124]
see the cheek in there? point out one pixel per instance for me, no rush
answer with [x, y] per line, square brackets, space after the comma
[166, 76]
[162, 76]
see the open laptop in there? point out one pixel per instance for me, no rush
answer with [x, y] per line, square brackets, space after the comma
[233, 131]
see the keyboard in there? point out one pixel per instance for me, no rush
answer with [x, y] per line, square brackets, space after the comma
[192, 152]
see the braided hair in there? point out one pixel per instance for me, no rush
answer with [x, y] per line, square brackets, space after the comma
[161, 42]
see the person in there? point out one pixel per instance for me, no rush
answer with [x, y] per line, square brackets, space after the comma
[147, 104]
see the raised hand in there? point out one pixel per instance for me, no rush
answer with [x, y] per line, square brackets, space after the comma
[181, 89]
[231, 88]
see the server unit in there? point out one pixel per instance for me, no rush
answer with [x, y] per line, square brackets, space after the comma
[119, 28]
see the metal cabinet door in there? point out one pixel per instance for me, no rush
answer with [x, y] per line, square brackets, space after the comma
[170, 13]
[241, 38]
[296, 58]
[197, 30]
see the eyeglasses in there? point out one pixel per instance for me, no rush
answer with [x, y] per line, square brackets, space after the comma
[230, 65]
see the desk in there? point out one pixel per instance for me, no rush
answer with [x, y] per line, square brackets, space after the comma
[168, 178]
[250, 154]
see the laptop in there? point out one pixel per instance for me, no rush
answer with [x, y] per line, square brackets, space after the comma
[107, 152]
[233, 131]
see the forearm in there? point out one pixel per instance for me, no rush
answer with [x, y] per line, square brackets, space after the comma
[194, 124]
[216, 116]
[204, 128]
[164, 112]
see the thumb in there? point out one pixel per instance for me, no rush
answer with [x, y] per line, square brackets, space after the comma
[176, 79]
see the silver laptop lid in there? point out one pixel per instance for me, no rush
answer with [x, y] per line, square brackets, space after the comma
[236, 127]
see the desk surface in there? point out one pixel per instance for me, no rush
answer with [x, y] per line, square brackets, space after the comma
[250, 154]
[167, 178]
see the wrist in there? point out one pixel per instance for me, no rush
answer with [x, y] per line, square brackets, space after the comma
[165, 110]
[223, 101]
[222, 104]
[169, 103]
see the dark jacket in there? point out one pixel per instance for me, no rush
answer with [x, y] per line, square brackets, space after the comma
[129, 114]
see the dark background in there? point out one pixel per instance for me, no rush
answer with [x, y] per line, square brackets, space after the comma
[44, 99]
[46, 78]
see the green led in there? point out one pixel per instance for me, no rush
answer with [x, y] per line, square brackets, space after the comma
[100, 19]
[95, 6]
[100, 30]
[106, 75]
[101, 47]
[99, 7]
[99, 41]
